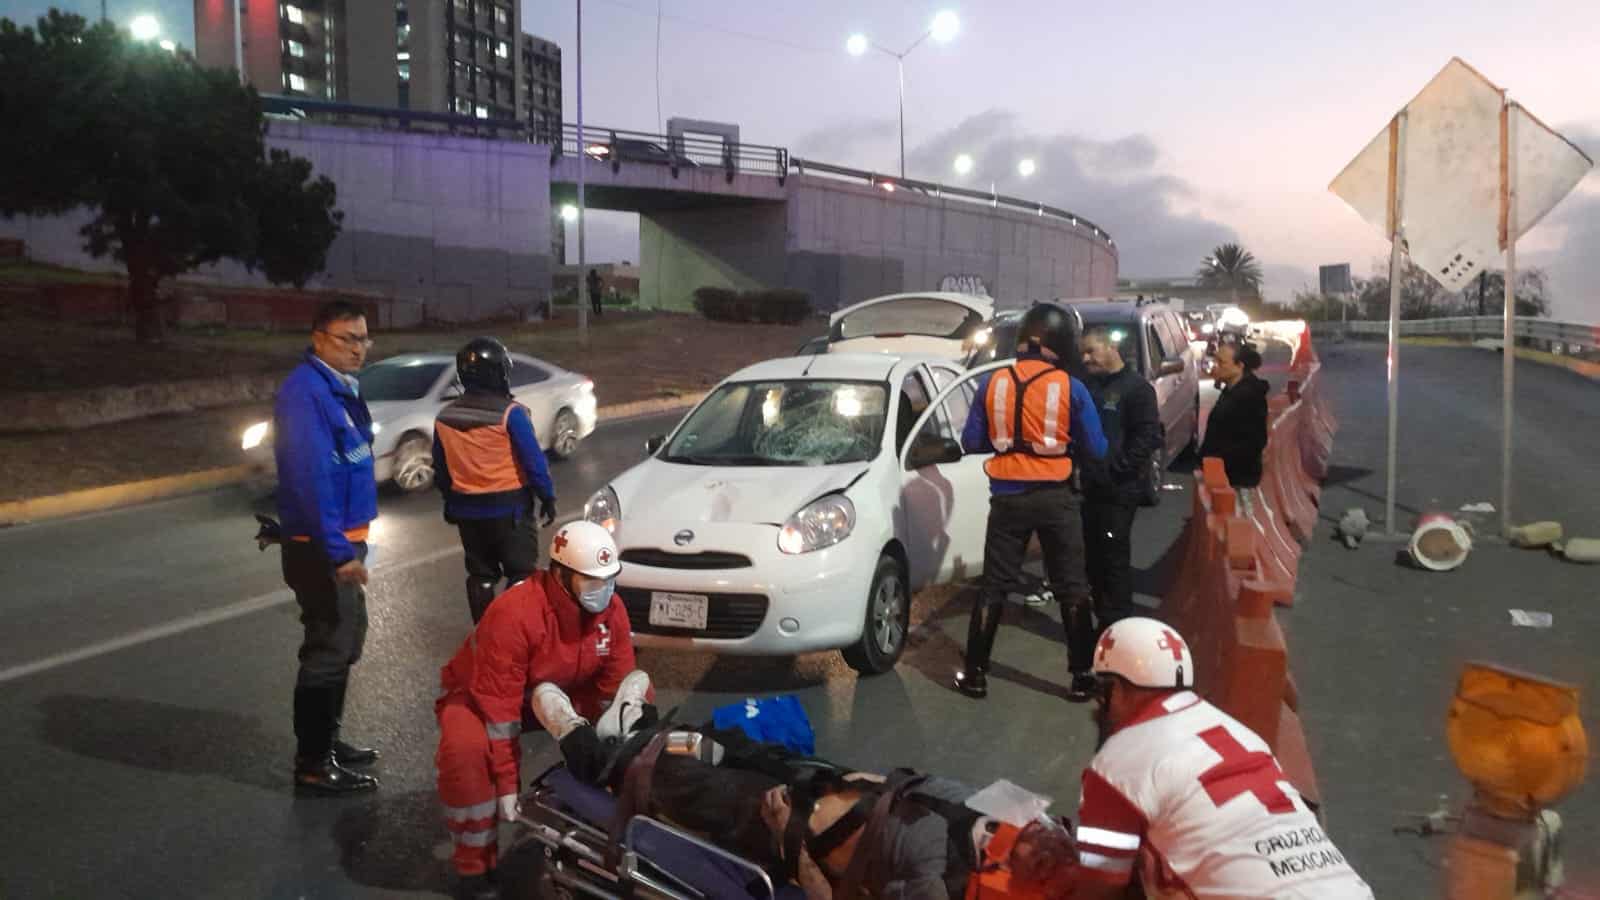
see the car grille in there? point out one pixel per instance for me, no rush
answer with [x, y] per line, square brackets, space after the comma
[730, 615]
[706, 559]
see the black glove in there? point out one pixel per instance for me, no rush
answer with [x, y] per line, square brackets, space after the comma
[547, 511]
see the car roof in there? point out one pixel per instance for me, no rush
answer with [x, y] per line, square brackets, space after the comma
[841, 366]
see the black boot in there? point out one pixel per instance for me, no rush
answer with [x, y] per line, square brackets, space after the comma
[314, 766]
[347, 754]
[480, 593]
[984, 622]
[478, 887]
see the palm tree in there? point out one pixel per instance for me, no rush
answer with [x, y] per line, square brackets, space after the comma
[1233, 267]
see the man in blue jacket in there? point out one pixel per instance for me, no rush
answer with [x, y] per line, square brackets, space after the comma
[1035, 418]
[327, 499]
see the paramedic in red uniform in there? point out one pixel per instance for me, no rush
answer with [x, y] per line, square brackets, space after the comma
[488, 464]
[563, 629]
[1185, 796]
[1034, 416]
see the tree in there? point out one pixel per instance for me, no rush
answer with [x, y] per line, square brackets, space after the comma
[169, 157]
[1233, 267]
[1421, 297]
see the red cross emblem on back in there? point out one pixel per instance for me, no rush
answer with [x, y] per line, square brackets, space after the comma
[1105, 645]
[560, 543]
[1242, 771]
[1172, 642]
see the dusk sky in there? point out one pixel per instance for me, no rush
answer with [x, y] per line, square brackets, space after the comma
[1174, 124]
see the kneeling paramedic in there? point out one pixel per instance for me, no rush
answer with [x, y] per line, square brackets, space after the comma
[563, 628]
[834, 831]
[1186, 797]
[488, 464]
[1033, 415]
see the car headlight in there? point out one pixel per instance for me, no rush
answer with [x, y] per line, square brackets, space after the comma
[604, 509]
[377, 427]
[821, 523]
[254, 435]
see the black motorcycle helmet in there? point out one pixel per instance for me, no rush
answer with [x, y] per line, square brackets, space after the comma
[1052, 326]
[484, 364]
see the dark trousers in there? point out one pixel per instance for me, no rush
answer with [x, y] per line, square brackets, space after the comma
[334, 615]
[1108, 543]
[594, 303]
[1052, 514]
[503, 547]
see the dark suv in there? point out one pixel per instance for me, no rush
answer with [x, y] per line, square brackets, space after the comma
[1154, 340]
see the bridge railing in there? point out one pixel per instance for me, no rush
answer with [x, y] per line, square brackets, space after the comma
[386, 117]
[618, 147]
[1559, 335]
[934, 189]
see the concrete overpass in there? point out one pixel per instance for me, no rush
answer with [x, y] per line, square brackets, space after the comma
[456, 213]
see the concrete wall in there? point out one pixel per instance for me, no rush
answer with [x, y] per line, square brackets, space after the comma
[740, 247]
[847, 242]
[461, 224]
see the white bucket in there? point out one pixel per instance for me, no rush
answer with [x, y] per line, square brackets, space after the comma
[1439, 544]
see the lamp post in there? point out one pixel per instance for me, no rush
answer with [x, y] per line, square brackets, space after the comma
[943, 29]
[145, 28]
[964, 164]
[583, 158]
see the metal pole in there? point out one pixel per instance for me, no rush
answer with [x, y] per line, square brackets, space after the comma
[583, 156]
[901, 62]
[1397, 159]
[1509, 348]
[238, 43]
[103, 16]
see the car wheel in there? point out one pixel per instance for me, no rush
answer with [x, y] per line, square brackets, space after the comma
[413, 465]
[1151, 489]
[564, 442]
[883, 635]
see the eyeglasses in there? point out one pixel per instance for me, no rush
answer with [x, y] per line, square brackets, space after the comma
[349, 340]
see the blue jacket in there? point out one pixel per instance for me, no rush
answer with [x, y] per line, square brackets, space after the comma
[1087, 437]
[322, 441]
[530, 459]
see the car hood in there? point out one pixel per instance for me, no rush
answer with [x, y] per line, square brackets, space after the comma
[768, 495]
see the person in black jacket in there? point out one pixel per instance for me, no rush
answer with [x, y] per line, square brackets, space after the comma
[1237, 429]
[1131, 419]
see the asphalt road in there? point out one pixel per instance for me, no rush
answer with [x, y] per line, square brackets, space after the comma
[147, 662]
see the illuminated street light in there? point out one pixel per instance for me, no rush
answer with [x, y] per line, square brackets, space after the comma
[144, 28]
[943, 29]
[1025, 168]
[963, 164]
[569, 213]
[169, 46]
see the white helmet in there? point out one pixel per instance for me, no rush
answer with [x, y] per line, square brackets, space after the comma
[1146, 652]
[586, 548]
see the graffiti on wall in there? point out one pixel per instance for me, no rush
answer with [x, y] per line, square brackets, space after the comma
[964, 284]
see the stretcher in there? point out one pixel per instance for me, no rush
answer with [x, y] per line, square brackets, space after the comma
[649, 859]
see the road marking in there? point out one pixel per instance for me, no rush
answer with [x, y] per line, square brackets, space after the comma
[203, 619]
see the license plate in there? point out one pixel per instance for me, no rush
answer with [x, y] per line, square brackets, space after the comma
[679, 610]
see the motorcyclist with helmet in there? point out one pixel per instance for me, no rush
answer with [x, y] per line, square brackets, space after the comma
[1035, 418]
[489, 466]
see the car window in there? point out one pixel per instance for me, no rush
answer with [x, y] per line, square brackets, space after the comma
[957, 405]
[1173, 335]
[398, 380]
[524, 373]
[799, 422]
[1157, 346]
[914, 400]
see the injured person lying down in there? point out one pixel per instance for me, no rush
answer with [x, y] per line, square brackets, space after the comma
[834, 831]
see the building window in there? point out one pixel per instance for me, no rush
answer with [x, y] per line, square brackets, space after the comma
[296, 49]
[402, 35]
[502, 17]
[481, 111]
[294, 14]
[404, 70]
[502, 50]
[403, 95]
[464, 106]
[296, 82]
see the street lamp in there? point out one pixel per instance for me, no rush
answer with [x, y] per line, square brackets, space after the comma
[144, 28]
[1025, 168]
[569, 213]
[942, 29]
[963, 164]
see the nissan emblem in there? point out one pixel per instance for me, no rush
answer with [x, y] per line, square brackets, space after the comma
[683, 538]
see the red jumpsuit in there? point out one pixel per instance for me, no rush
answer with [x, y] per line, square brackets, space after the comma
[533, 633]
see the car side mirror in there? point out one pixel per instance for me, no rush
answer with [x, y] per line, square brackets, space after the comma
[1172, 366]
[653, 443]
[933, 451]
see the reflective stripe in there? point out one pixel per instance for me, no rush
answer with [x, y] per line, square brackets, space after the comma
[478, 838]
[1111, 840]
[503, 731]
[1104, 863]
[467, 813]
[1052, 404]
[999, 413]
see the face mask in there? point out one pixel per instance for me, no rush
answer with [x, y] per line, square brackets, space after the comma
[596, 599]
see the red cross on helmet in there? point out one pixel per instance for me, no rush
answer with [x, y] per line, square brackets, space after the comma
[1146, 653]
[585, 548]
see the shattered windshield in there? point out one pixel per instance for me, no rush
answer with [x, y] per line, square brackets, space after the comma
[784, 423]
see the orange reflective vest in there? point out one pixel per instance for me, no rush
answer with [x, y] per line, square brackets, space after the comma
[992, 880]
[1030, 417]
[477, 446]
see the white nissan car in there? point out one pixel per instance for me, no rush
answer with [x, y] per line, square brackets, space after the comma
[799, 506]
[938, 323]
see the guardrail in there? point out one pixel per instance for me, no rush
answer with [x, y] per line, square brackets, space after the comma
[934, 189]
[617, 147]
[1560, 335]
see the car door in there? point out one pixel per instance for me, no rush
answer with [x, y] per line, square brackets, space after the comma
[532, 387]
[944, 506]
[1183, 387]
[1158, 349]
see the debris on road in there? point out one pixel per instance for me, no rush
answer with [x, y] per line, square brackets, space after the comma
[1440, 543]
[1353, 526]
[1536, 534]
[1532, 618]
[1580, 550]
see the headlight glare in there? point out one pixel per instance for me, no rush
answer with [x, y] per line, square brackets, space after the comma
[604, 509]
[821, 523]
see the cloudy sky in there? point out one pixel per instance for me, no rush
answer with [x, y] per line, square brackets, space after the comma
[1174, 124]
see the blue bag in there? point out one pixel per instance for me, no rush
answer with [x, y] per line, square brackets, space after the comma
[775, 720]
